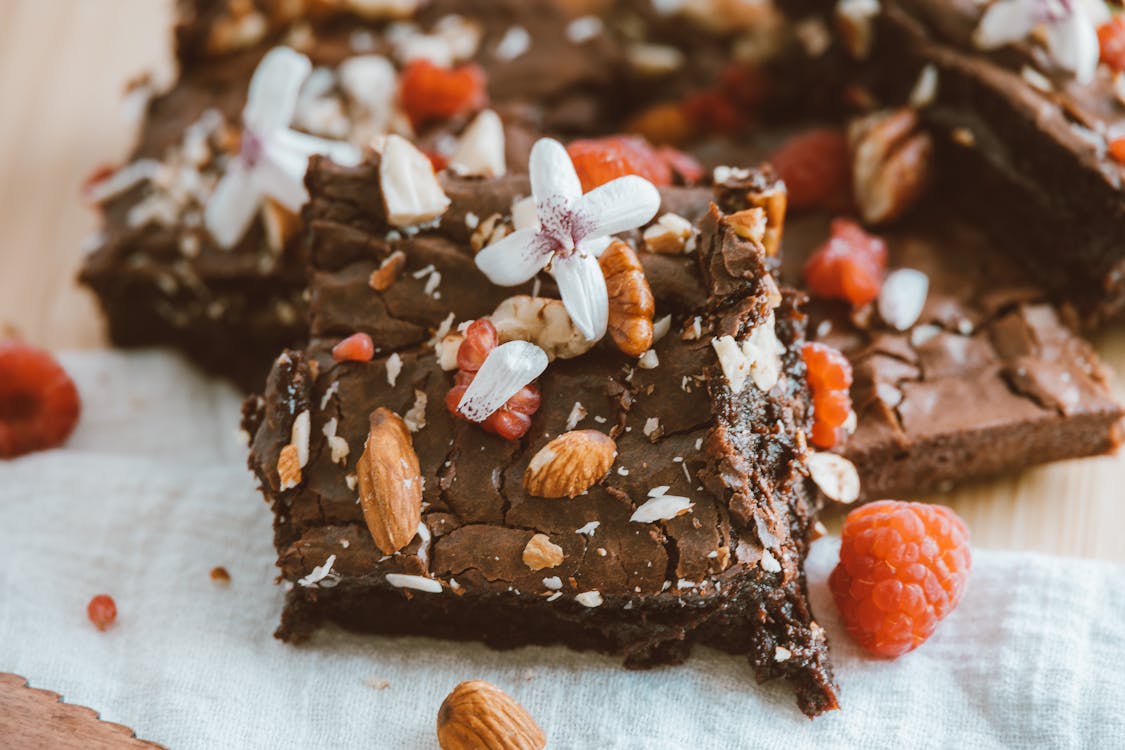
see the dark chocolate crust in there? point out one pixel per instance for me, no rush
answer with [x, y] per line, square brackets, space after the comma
[727, 574]
[990, 379]
[1028, 166]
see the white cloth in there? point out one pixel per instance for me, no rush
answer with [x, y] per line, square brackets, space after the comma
[151, 493]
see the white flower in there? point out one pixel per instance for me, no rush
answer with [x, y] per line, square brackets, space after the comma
[1072, 37]
[273, 158]
[568, 238]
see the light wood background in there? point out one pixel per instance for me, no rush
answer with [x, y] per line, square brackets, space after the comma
[63, 64]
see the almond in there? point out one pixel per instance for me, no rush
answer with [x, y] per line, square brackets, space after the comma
[390, 482]
[289, 467]
[541, 552]
[480, 716]
[749, 224]
[631, 304]
[383, 277]
[570, 464]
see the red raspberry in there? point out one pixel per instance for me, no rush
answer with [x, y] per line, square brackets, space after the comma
[816, 169]
[429, 92]
[480, 339]
[600, 160]
[903, 567]
[849, 266]
[355, 348]
[102, 611]
[828, 368]
[1111, 38]
[39, 404]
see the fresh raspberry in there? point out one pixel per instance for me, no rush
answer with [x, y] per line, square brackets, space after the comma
[849, 266]
[355, 348]
[1111, 39]
[600, 160]
[430, 92]
[512, 420]
[713, 113]
[39, 404]
[816, 169]
[828, 367]
[102, 611]
[903, 567]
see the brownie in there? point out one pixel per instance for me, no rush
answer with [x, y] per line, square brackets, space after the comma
[726, 574]
[989, 379]
[1022, 147]
[160, 277]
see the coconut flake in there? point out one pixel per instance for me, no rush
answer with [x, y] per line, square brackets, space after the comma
[902, 298]
[925, 88]
[661, 508]
[577, 414]
[321, 575]
[589, 598]
[769, 563]
[836, 477]
[299, 436]
[583, 29]
[394, 368]
[515, 42]
[418, 583]
[506, 370]
[415, 417]
[589, 528]
[661, 327]
[424, 539]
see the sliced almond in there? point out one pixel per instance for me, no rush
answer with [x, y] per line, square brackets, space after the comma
[383, 277]
[570, 464]
[541, 553]
[390, 482]
[288, 467]
[836, 477]
[478, 715]
[411, 192]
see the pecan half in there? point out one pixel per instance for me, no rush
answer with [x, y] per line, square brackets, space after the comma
[891, 163]
[631, 304]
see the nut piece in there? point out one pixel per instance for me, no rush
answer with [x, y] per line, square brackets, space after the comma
[390, 482]
[288, 467]
[411, 192]
[281, 224]
[855, 23]
[631, 305]
[891, 163]
[541, 553]
[669, 235]
[773, 198]
[383, 277]
[570, 464]
[836, 477]
[480, 716]
[749, 224]
[542, 321]
[480, 152]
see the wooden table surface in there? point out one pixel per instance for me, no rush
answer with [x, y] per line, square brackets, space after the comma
[63, 64]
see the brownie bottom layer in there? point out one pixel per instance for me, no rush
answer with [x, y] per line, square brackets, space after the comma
[775, 632]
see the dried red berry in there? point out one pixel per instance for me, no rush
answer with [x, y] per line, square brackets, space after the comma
[903, 568]
[102, 611]
[355, 348]
[828, 368]
[1111, 39]
[438, 160]
[428, 92]
[849, 266]
[600, 160]
[816, 169]
[39, 404]
[1117, 150]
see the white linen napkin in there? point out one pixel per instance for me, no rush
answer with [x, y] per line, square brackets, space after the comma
[151, 493]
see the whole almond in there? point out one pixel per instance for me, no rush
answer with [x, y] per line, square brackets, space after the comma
[480, 716]
[570, 464]
[390, 482]
[541, 552]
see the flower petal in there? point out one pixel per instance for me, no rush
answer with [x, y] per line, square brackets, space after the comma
[272, 97]
[1005, 22]
[583, 291]
[552, 173]
[341, 152]
[625, 203]
[233, 206]
[506, 370]
[280, 174]
[513, 259]
[1073, 42]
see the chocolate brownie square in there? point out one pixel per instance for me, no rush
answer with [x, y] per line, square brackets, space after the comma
[987, 378]
[698, 529]
[163, 279]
